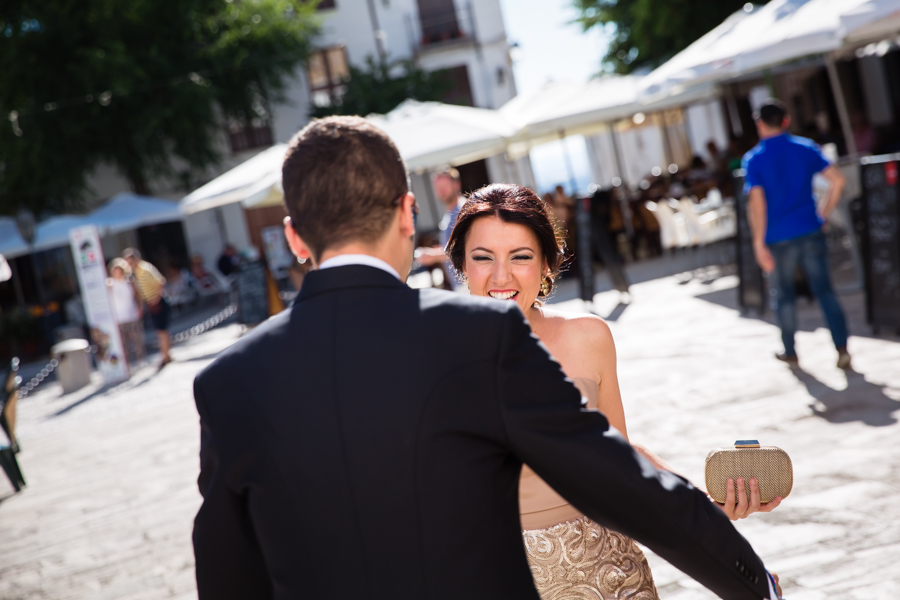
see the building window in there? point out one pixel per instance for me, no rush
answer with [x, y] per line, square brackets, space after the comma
[438, 21]
[328, 72]
[325, 5]
[253, 132]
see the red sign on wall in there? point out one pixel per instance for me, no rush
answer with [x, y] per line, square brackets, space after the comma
[890, 173]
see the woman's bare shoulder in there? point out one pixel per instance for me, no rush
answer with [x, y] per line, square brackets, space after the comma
[584, 330]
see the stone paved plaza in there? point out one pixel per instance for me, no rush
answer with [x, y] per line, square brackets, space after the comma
[112, 472]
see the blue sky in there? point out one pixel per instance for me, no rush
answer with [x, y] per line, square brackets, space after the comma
[552, 48]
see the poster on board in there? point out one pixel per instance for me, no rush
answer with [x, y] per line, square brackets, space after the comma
[278, 255]
[91, 268]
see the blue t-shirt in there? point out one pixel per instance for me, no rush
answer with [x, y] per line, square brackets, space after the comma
[783, 166]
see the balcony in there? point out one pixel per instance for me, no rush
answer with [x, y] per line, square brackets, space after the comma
[440, 26]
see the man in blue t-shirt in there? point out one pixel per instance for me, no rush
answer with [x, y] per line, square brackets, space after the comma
[787, 227]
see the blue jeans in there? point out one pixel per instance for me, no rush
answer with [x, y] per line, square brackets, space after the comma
[811, 253]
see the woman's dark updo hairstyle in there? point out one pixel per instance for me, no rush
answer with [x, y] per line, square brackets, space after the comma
[511, 204]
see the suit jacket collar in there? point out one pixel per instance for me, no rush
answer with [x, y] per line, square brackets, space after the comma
[346, 277]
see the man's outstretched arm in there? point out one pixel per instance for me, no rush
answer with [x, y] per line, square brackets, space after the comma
[229, 561]
[591, 465]
[837, 182]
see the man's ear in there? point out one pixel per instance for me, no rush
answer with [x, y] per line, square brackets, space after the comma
[295, 242]
[408, 210]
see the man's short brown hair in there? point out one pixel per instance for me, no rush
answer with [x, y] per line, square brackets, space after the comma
[342, 177]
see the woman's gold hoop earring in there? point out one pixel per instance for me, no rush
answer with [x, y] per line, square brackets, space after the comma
[545, 286]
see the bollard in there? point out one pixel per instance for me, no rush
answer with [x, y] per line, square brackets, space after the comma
[74, 370]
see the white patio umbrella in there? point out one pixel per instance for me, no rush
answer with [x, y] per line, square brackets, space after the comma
[779, 32]
[239, 184]
[430, 134]
[793, 29]
[870, 20]
[559, 109]
[127, 211]
[11, 243]
[54, 232]
[708, 59]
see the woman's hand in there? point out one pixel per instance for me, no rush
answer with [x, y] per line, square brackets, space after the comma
[739, 508]
[778, 589]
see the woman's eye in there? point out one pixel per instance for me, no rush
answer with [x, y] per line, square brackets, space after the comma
[522, 257]
[481, 258]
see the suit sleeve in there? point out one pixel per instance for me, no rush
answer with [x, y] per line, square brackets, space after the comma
[229, 561]
[591, 465]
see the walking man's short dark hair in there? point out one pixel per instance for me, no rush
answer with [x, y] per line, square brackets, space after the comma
[772, 113]
[342, 177]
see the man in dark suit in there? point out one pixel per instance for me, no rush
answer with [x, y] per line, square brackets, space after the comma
[339, 460]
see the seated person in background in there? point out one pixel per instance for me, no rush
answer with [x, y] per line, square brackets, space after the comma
[178, 285]
[205, 281]
[228, 261]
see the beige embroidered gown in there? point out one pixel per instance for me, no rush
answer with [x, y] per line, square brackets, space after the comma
[572, 557]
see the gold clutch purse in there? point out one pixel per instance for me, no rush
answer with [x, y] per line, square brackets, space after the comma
[770, 466]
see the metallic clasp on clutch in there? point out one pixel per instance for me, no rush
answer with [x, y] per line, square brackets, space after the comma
[746, 444]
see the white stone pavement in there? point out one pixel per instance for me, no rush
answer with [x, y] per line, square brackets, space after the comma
[112, 473]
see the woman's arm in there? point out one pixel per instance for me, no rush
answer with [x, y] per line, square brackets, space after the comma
[603, 353]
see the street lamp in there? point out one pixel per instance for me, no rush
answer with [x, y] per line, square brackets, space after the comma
[28, 230]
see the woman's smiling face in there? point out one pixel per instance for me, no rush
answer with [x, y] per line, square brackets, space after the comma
[503, 260]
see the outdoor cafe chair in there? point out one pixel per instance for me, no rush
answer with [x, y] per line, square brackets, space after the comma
[9, 395]
[672, 231]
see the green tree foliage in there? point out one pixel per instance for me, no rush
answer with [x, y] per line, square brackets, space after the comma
[135, 84]
[381, 86]
[649, 32]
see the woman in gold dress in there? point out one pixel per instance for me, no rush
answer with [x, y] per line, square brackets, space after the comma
[506, 245]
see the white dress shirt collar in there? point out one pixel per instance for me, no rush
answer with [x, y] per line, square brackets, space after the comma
[342, 260]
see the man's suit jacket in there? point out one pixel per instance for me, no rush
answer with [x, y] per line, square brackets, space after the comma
[367, 443]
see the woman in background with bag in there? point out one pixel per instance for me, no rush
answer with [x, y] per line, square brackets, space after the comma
[126, 301]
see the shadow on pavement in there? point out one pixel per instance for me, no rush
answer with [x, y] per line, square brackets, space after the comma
[125, 386]
[616, 312]
[809, 317]
[861, 401]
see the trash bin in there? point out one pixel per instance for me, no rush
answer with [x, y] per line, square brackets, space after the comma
[74, 370]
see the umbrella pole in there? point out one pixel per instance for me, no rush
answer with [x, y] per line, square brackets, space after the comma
[623, 200]
[568, 159]
[841, 104]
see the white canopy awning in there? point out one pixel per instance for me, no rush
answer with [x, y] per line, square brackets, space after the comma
[123, 212]
[430, 134]
[870, 20]
[127, 211]
[779, 32]
[239, 184]
[559, 109]
[11, 243]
